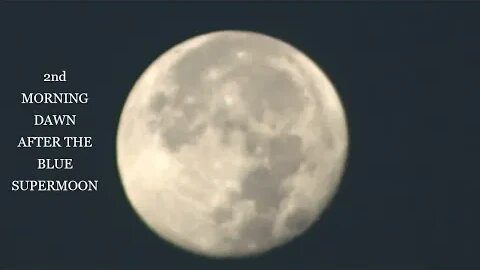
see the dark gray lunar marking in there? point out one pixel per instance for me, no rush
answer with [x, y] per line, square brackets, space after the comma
[262, 184]
[159, 100]
[271, 89]
[262, 187]
[258, 231]
[299, 220]
[226, 124]
[285, 155]
[181, 133]
[251, 142]
[222, 214]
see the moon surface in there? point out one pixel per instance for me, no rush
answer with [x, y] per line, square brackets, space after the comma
[231, 143]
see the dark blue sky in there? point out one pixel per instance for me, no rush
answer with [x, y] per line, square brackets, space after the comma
[407, 73]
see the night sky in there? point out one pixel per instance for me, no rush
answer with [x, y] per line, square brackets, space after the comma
[408, 75]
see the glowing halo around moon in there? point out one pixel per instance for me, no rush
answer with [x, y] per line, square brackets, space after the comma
[231, 143]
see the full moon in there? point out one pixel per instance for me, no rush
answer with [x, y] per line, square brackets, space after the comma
[231, 143]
